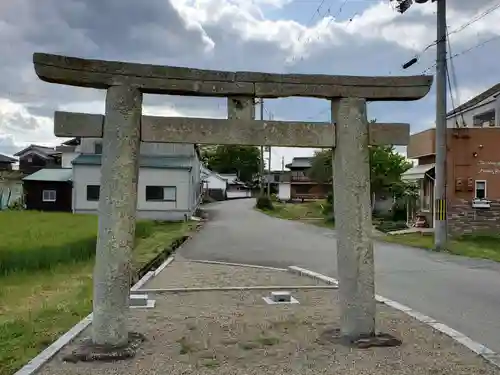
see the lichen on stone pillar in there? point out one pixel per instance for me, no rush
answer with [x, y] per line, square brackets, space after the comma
[241, 108]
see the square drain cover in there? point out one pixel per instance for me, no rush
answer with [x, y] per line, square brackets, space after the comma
[281, 297]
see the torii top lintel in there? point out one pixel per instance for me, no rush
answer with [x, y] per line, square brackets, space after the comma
[158, 79]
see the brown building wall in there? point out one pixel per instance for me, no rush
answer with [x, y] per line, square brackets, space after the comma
[430, 159]
[36, 164]
[309, 191]
[33, 191]
[473, 155]
[422, 144]
[5, 166]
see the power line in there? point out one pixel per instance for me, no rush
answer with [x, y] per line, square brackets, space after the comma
[473, 20]
[314, 13]
[448, 79]
[477, 18]
[453, 81]
[464, 52]
[323, 15]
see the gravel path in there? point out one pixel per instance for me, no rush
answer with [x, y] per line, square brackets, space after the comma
[237, 333]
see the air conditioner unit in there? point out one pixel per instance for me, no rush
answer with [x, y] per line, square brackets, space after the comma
[481, 203]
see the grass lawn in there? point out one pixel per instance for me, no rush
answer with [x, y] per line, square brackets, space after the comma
[46, 264]
[473, 246]
[309, 212]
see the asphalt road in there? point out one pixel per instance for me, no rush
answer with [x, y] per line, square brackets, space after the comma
[460, 292]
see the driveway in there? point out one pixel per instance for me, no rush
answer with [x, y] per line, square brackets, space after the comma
[462, 293]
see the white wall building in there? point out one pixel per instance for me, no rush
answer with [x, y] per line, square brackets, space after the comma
[235, 188]
[169, 186]
[213, 180]
[479, 112]
[284, 191]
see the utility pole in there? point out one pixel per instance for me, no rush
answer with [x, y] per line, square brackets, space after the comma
[440, 230]
[440, 204]
[269, 174]
[269, 168]
[282, 164]
[261, 152]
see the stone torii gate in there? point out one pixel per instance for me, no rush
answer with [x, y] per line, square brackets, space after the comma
[123, 127]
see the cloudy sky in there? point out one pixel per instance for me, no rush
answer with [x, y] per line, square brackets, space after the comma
[353, 37]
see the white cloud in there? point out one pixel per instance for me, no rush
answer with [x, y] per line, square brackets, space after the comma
[35, 129]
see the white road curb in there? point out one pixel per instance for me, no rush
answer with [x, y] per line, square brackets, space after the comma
[37, 362]
[142, 281]
[314, 275]
[151, 274]
[162, 266]
[235, 264]
[488, 354]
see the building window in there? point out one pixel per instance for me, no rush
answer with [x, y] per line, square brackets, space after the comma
[480, 190]
[98, 148]
[484, 119]
[427, 187]
[49, 195]
[161, 193]
[93, 192]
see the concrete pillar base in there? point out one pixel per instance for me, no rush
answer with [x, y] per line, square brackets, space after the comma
[90, 352]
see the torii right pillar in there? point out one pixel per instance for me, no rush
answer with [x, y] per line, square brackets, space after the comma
[355, 262]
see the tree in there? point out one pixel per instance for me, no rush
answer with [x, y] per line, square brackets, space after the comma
[386, 167]
[242, 160]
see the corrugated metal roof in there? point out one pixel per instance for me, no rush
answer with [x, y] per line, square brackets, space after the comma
[300, 162]
[417, 173]
[205, 172]
[231, 178]
[164, 162]
[49, 174]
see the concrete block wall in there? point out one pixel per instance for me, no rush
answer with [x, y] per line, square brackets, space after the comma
[464, 219]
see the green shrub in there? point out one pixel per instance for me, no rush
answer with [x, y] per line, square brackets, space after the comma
[327, 209]
[264, 203]
[390, 226]
[329, 198]
[17, 205]
[330, 218]
[398, 212]
[381, 215]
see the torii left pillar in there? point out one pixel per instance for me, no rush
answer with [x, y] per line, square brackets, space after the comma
[111, 338]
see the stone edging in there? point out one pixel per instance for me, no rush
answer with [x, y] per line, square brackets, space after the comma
[488, 354]
[37, 362]
[236, 264]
